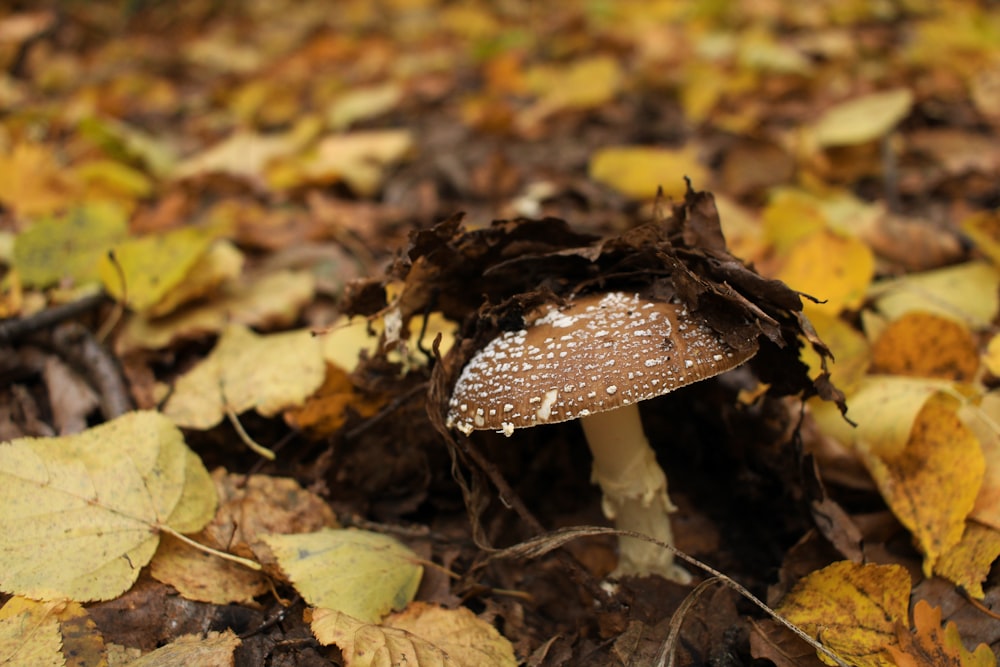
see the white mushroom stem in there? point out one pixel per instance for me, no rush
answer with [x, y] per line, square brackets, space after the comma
[635, 491]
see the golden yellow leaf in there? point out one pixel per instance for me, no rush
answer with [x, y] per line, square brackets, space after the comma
[357, 158]
[266, 373]
[991, 358]
[199, 575]
[362, 574]
[833, 268]
[128, 142]
[851, 609]
[29, 634]
[463, 636]
[932, 484]
[983, 417]
[153, 265]
[368, 645]
[863, 119]
[274, 300]
[69, 247]
[851, 352]
[215, 648]
[220, 263]
[923, 344]
[33, 182]
[585, 84]
[637, 171]
[791, 216]
[930, 645]
[362, 103]
[81, 514]
[983, 227]
[968, 562]
[969, 293]
[245, 154]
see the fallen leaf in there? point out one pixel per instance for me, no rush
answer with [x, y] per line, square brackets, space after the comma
[82, 643]
[33, 182]
[969, 293]
[460, 634]
[863, 119]
[359, 573]
[834, 268]
[930, 645]
[362, 103]
[81, 514]
[587, 83]
[638, 171]
[968, 563]
[215, 648]
[257, 505]
[247, 371]
[327, 410]
[368, 645]
[983, 227]
[851, 609]
[983, 417]
[29, 634]
[932, 484]
[273, 300]
[358, 158]
[923, 344]
[199, 575]
[69, 247]
[153, 265]
[220, 263]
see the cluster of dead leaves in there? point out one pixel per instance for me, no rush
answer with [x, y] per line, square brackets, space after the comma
[240, 169]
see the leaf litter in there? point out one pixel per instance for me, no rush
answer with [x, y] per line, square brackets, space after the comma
[363, 131]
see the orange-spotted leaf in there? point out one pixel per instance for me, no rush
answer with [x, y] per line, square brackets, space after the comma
[930, 645]
[851, 609]
[924, 344]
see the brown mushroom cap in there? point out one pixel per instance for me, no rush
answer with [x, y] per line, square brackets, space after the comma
[599, 353]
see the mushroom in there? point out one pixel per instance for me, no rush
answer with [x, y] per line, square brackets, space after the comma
[594, 360]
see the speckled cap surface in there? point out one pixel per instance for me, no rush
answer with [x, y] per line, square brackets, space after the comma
[598, 353]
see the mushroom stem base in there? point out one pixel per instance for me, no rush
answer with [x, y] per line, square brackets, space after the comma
[634, 492]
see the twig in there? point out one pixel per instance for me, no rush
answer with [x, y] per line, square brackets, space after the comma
[76, 344]
[13, 329]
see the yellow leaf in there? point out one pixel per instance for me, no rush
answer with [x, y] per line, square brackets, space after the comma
[367, 645]
[29, 634]
[245, 154]
[792, 216]
[863, 119]
[33, 182]
[983, 228]
[828, 266]
[357, 158]
[274, 300]
[850, 348]
[363, 103]
[851, 609]
[921, 344]
[111, 179]
[267, 373]
[969, 293]
[220, 263]
[464, 637]
[215, 648]
[326, 411]
[359, 573]
[930, 645]
[82, 643]
[68, 247]
[80, 514]
[968, 563]
[637, 171]
[983, 418]
[154, 265]
[932, 484]
[199, 575]
[585, 84]
[991, 358]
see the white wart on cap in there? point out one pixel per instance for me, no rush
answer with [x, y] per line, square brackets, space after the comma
[599, 353]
